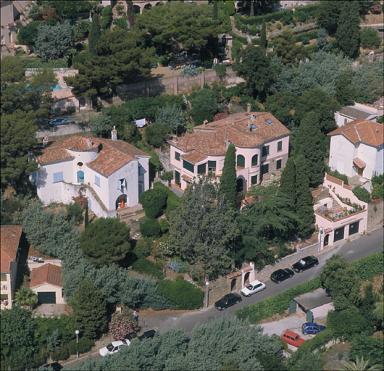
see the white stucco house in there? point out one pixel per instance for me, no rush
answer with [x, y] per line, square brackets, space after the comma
[111, 173]
[357, 149]
[358, 111]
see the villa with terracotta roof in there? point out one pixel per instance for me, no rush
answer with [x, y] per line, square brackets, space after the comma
[357, 149]
[46, 284]
[111, 173]
[261, 142]
[11, 240]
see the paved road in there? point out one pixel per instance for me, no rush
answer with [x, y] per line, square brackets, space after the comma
[361, 247]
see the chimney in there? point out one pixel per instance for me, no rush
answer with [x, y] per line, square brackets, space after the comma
[248, 107]
[114, 133]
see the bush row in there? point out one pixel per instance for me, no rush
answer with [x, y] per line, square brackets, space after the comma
[366, 268]
[143, 265]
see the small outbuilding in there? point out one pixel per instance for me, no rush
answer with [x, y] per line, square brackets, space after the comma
[315, 304]
[46, 283]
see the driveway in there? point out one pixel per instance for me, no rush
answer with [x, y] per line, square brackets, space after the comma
[292, 322]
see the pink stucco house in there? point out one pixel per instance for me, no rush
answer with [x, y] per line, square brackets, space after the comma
[261, 142]
[339, 213]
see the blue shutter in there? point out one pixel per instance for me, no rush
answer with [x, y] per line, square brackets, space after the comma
[58, 177]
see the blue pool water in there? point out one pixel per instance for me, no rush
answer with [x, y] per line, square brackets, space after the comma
[57, 87]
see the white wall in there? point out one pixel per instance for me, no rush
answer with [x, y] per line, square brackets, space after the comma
[368, 154]
[341, 155]
[379, 167]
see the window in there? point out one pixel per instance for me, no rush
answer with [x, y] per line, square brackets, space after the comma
[212, 166]
[97, 180]
[80, 176]
[255, 160]
[265, 169]
[240, 161]
[122, 185]
[58, 177]
[3, 276]
[202, 169]
[4, 297]
[278, 164]
[339, 234]
[279, 146]
[177, 156]
[265, 151]
[177, 178]
[188, 166]
[354, 228]
[80, 164]
[254, 179]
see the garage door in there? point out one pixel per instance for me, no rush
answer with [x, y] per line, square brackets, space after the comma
[46, 297]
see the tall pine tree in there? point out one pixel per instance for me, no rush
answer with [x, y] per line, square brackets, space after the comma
[228, 177]
[310, 142]
[348, 28]
[304, 203]
[263, 36]
[94, 34]
[288, 180]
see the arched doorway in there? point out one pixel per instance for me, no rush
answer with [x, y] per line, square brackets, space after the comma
[326, 240]
[147, 6]
[136, 9]
[233, 284]
[246, 278]
[80, 176]
[241, 184]
[121, 202]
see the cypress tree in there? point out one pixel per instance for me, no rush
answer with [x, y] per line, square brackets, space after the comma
[228, 177]
[263, 36]
[310, 142]
[288, 180]
[94, 34]
[304, 203]
[348, 28]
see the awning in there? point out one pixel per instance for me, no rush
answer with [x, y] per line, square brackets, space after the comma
[359, 163]
[187, 178]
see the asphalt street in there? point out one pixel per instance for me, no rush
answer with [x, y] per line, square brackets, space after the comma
[353, 250]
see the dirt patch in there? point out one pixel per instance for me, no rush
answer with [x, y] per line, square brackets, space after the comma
[335, 355]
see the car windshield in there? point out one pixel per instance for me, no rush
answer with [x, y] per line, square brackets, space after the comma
[249, 287]
[109, 347]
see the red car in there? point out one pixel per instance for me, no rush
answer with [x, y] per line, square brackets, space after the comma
[292, 338]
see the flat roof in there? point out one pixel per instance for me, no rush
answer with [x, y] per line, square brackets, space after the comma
[313, 299]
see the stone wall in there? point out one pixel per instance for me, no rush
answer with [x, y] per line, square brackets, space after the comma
[375, 215]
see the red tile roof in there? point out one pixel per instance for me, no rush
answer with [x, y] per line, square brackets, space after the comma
[211, 139]
[10, 240]
[112, 154]
[47, 273]
[362, 131]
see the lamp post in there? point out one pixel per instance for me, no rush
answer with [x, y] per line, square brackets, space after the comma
[77, 343]
[206, 293]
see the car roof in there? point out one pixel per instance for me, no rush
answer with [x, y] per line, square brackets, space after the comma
[255, 282]
[290, 333]
[117, 343]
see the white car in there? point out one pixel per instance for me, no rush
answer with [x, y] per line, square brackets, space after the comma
[113, 347]
[252, 288]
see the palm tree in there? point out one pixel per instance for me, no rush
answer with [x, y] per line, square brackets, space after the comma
[25, 297]
[359, 364]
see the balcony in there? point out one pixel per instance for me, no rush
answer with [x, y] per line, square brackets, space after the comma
[337, 212]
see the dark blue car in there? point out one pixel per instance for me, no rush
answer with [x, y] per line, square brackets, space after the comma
[311, 328]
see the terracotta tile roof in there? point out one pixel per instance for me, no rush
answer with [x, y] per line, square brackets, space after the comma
[10, 239]
[362, 131]
[112, 154]
[47, 273]
[62, 94]
[194, 157]
[359, 163]
[211, 138]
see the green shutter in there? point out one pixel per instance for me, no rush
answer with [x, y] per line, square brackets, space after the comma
[188, 166]
[202, 169]
[240, 161]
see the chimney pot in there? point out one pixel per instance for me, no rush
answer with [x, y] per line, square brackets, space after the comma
[248, 107]
[114, 133]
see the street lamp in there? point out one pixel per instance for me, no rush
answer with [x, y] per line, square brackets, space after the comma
[77, 342]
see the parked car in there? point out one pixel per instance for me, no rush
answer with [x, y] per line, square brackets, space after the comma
[252, 288]
[305, 263]
[282, 275]
[227, 301]
[311, 328]
[147, 334]
[114, 347]
[292, 338]
[54, 366]
[61, 121]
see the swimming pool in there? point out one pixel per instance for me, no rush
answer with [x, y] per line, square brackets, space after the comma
[57, 87]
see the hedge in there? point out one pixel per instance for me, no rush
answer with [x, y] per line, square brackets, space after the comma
[366, 268]
[362, 194]
[182, 294]
[150, 227]
[143, 265]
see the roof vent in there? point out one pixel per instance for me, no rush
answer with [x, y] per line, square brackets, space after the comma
[252, 127]
[268, 121]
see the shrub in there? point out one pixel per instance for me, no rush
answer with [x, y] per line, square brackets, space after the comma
[153, 201]
[173, 201]
[75, 212]
[106, 17]
[164, 225]
[369, 348]
[337, 175]
[378, 185]
[167, 176]
[369, 38]
[143, 248]
[369, 266]
[61, 353]
[221, 70]
[182, 294]
[150, 227]
[362, 194]
[143, 265]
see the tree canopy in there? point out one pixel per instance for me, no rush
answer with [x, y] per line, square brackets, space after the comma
[106, 241]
